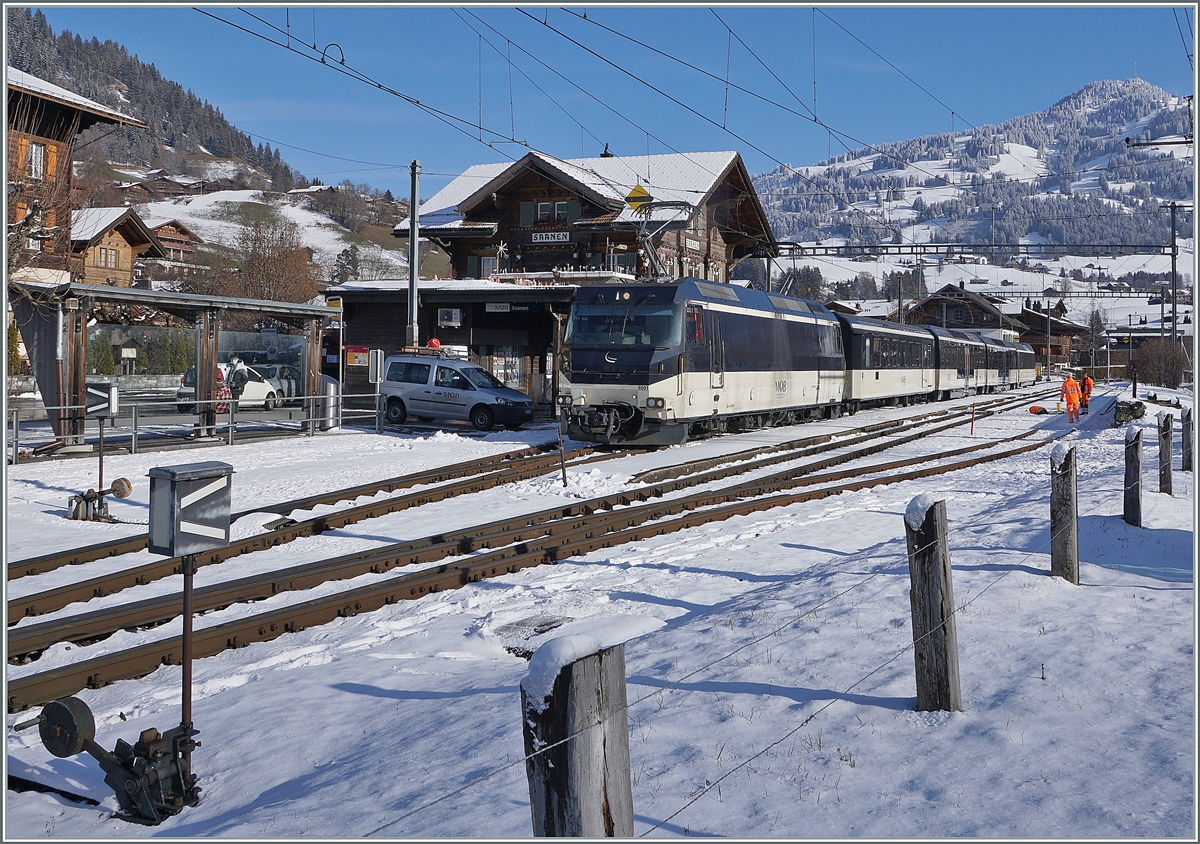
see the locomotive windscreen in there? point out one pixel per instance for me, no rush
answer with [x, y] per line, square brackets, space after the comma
[624, 325]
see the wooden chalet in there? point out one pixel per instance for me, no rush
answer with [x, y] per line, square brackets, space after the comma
[43, 122]
[106, 243]
[178, 242]
[954, 306]
[543, 214]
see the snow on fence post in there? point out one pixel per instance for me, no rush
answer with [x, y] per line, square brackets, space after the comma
[1133, 476]
[573, 702]
[935, 635]
[1064, 519]
[1165, 430]
[1185, 427]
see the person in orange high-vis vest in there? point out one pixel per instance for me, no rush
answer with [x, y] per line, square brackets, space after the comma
[1070, 394]
[1085, 393]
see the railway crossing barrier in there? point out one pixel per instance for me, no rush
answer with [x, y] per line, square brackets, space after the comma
[577, 740]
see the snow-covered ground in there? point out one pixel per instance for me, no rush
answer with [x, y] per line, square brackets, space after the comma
[772, 696]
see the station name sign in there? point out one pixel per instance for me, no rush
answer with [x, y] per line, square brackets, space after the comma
[551, 237]
[506, 308]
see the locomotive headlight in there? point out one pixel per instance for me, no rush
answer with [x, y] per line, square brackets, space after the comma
[565, 400]
[656, 403]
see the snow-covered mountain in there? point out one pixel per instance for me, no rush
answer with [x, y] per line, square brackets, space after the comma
[1065, 174]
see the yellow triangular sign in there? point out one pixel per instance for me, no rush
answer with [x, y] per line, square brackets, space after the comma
[638, 197]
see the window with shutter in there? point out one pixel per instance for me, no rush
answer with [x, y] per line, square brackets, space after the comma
[37, 161]
[527, 213]
[573, 210]
[472, 266]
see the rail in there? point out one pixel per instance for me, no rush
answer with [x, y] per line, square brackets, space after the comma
[595, 528]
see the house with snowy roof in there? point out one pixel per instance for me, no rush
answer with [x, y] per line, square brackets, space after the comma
[178, 242]
[106, 243]
[43, 122]
[544, 214]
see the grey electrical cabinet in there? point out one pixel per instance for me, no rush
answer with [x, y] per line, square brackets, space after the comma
[189, 508]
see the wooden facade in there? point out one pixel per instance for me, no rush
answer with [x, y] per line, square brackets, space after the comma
[43, 121]
[178, 242]
[541, 214]
[106, 243]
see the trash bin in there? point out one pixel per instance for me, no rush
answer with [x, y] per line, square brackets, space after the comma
[329, 414]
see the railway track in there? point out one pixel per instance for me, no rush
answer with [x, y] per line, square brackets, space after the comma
[511, 545]
[112, 548]
[900, 431]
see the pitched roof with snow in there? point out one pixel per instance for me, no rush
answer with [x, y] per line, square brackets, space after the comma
[22, 81]
[87, 224]
[685, 176]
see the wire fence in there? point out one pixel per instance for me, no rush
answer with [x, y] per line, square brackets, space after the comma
[1102, 499]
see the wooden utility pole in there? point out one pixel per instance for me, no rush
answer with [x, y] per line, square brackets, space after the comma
[1064, 522]
[579, 782]
[935, 636]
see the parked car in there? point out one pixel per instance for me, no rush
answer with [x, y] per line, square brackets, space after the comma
[258, 392]
[429, 384]
[285, 379]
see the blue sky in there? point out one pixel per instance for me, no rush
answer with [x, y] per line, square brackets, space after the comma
[872, 75]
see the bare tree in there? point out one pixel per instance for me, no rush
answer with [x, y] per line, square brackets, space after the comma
[95, 184]
[267, 261]
[1162, 362]
[39, 186]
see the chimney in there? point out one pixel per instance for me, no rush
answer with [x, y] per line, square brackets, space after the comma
[961, 285]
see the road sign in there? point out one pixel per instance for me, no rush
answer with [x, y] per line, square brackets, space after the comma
[101, 399]
[375, 366]
[638, 197]
[189, 508]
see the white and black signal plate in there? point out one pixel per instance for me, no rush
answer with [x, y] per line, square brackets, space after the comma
[189, 508]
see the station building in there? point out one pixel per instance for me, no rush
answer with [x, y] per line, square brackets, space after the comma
[521, 236]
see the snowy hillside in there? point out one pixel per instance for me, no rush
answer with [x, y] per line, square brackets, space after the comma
[214, 217]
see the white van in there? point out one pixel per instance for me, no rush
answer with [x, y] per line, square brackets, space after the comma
[431, 384]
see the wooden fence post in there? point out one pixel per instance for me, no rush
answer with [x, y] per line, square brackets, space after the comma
[573, 703]
[1165, 430]
[1185, 425]
[1133, 476]
[935, 636]
[1064, 520]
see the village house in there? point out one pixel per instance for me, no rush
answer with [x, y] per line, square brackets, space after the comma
[106, 243]
[540, 214]
[178, 242]
[43, 121]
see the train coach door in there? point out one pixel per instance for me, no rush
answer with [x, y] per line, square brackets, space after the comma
[716, 350]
